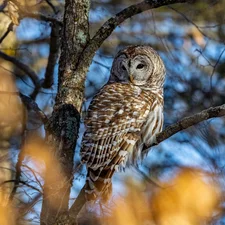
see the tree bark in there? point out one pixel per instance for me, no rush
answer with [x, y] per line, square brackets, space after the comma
[63, 126]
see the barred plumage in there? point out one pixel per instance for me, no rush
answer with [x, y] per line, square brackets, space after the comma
[124, 116]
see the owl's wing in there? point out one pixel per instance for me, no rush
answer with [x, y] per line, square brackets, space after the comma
[113, 123]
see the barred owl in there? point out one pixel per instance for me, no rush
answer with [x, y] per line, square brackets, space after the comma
[123, 117]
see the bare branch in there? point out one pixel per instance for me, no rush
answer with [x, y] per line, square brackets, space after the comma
[109, 26]
[52, 6]
[190, 121]
[22, 182]
[31, 104]
[78, 205]
[33, 76]
[10, 28]
[35, 15]
[53, 55]
[20, 159]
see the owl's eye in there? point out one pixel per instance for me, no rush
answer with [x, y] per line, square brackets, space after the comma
[123, 67]
[140, 66]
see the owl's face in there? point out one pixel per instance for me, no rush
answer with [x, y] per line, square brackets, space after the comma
[140, 65]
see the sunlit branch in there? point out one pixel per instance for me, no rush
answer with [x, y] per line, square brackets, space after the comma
[53, 55]
[108, 27]
[35, 15]
[9, 29]
[187, 122]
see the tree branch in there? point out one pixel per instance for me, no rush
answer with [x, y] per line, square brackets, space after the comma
[35, 15]
[22, 182]
[108, 27]
[53, 55]
[10, 28]
[183, 124]
[31, 104]
[33, 76]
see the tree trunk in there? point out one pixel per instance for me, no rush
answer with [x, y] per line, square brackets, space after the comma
[63, 126]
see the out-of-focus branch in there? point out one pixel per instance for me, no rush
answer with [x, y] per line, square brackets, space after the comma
[22, 182]
[35, 15]
[31, 104]
[10, 28]
[108, 27]
[78, 205]
[20, 159]
[52, 6]
[183, 124]
[3, 5]
[53, 55]
[33, 76]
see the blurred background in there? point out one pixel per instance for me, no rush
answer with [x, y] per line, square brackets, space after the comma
[181, 181]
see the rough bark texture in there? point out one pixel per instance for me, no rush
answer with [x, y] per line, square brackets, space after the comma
[63, 126]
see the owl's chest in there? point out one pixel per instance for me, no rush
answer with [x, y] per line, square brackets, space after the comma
[153, 125]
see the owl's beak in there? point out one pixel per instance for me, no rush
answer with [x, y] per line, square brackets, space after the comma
[131, 78]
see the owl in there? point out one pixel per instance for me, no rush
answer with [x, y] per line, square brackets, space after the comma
[122, 118]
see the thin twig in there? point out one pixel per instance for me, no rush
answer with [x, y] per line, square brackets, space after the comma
[108, 27]
[21, 157]
[191, 22]
[31, 104]
[22, 182]
[35, 176]
[52, 6]
[33, 76]
[9, 29]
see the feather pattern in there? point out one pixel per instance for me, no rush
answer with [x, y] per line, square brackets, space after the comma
[113, 130]
[123, 117]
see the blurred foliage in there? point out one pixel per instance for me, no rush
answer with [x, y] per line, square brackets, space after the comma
[190, 39]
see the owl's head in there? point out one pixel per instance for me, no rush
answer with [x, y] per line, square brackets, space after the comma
[140, 65]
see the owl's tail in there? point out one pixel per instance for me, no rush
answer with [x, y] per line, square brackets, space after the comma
[98, 184]
[99, 181]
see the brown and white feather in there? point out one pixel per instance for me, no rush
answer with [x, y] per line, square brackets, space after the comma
[122, 118]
